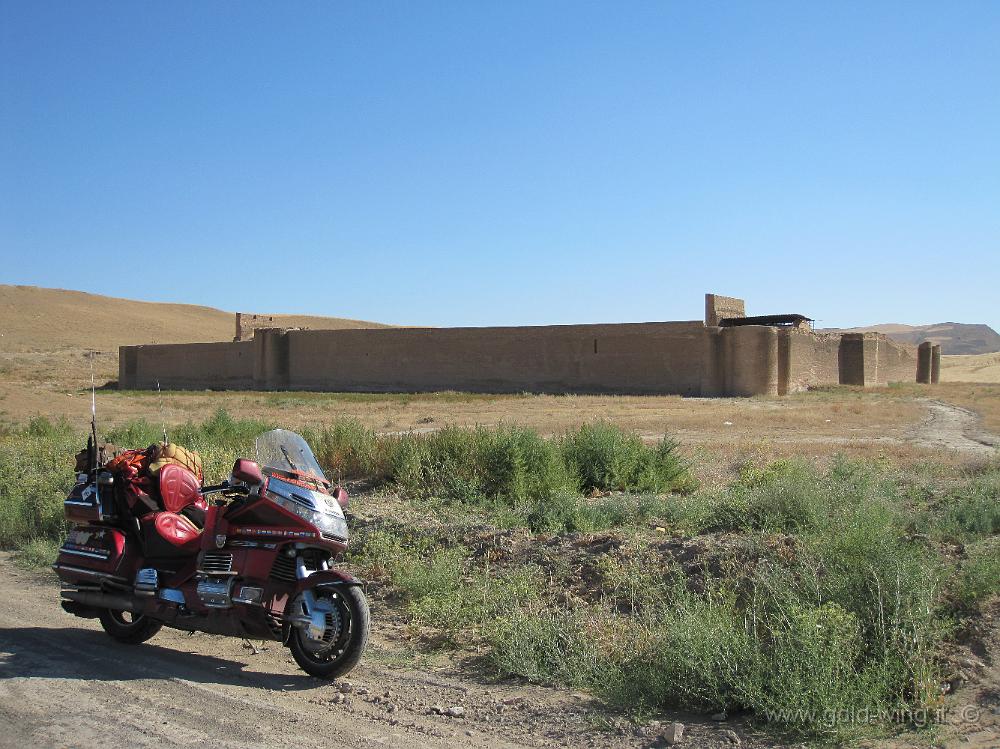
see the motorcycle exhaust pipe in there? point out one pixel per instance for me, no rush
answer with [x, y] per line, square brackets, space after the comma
[101, 600]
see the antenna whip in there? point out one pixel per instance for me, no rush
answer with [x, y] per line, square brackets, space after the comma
[93, 414]
[163, 422]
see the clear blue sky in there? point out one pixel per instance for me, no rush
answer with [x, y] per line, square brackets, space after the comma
[475, 163]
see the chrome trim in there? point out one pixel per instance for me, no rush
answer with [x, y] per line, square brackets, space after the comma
[216, 562]
[95, 573]
[250, 594]
[301, 571]
[81, 504]
[147, 580]
[92, 555]
[216, 593]
[172, 594]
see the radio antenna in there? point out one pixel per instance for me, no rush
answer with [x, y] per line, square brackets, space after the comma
[93, 413]
[163, 421]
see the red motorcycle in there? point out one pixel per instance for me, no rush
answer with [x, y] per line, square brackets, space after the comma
[253, 560]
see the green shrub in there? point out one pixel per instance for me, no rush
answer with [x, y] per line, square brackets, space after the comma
[347, 449]
[517, 464]
[793, 496]
[970, 510]
[36, 474]
[39, 552]
[545, 644]
[604, 457]
[479, 465]
[978, 576]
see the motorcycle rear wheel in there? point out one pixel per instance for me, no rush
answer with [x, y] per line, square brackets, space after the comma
[344, 654]
[128, 628]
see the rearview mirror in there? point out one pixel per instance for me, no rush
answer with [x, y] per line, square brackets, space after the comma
[340, 494]
[247, 472]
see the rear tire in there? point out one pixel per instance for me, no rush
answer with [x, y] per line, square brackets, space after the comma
[344, 654]
[128, 628]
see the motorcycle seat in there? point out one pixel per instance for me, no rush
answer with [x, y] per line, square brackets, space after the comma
[179, 488]
[170, 534]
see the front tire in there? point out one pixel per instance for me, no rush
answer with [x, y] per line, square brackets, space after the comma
[343, 654]
[128, 628]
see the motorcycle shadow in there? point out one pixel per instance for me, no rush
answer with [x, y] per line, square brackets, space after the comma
[75, 653]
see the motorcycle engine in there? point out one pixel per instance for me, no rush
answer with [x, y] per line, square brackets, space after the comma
[216, 592]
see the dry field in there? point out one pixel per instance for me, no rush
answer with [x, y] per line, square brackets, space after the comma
[971, 368]
[717, 433]
[45, 370]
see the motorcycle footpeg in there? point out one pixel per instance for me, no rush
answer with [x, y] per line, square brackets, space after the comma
[147, 580]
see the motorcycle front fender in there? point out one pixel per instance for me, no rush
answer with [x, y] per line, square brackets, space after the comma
[328, 578]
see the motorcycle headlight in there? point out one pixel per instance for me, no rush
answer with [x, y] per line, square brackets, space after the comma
[333, 525]
[330, 522]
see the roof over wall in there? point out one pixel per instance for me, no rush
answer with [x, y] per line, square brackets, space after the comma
[773, 320]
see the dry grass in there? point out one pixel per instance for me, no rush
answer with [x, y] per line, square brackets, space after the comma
[57, 385]
[981, 368]
[981, 398]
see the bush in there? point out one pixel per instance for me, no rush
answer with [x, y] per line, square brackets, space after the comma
[601, 456]
[347, 449]
[36, 474]
[39, 552]
[848, 622]
[978, 576]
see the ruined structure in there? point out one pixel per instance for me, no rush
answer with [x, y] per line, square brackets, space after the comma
[727, 354]
[928, 362]
[248, 323]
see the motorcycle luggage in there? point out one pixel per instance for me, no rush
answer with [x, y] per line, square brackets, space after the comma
[90, 502]
[91, 554]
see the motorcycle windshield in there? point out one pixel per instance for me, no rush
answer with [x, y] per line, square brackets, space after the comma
[287, 451]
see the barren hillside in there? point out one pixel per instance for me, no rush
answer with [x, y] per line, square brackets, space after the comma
[954, 337]
[38, 319]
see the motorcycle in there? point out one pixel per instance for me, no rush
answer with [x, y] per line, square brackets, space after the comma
[252, 557]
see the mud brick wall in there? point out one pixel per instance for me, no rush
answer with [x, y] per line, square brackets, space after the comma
[925, 352]
[627, 358]
[718, 307]
[872, 359]
[808, 360]
[749, 360]
[658, 358]
[187, 366]
[897, 361]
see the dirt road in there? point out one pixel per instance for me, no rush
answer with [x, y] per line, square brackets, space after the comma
[954, 428]
[64, 683]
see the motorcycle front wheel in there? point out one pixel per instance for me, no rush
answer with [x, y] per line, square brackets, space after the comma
[127, 627]
[346, 638]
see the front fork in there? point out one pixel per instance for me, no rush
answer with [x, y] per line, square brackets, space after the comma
[307, 613]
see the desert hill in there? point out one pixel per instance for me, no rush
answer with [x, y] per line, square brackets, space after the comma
[955, 337]
[39, 319]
